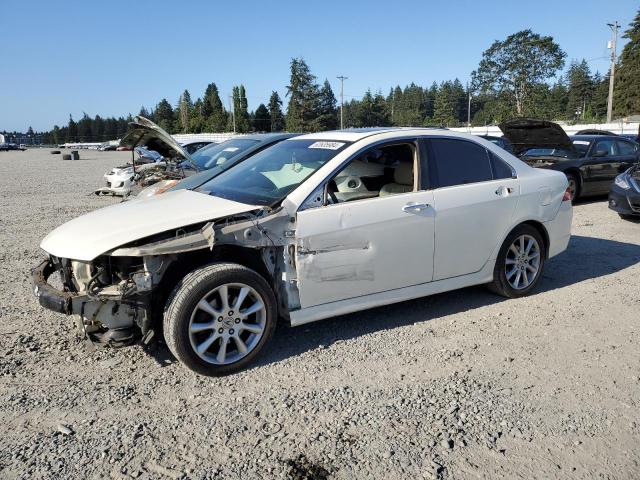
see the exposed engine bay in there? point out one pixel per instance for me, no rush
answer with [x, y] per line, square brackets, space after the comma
[118, 298]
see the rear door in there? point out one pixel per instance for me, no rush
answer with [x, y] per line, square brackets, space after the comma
[475, 196]
[627, 153]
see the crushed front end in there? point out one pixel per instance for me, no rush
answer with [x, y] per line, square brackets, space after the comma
[110, 297]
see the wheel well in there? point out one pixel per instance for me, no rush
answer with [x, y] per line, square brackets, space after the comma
[189, 261]
[575, 172]
[543, 233]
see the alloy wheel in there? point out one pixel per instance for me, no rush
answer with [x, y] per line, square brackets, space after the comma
[522, 263]
[227, 323]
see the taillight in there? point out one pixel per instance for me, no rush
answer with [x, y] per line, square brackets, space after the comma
[567, 195]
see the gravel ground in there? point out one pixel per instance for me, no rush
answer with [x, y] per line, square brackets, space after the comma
[458, 385]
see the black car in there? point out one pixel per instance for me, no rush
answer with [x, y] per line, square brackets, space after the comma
[624, 194]
[590, 162]
[499, 141]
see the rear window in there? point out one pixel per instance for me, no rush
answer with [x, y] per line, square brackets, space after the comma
[458, 162]
[626, 148]
[500, 168]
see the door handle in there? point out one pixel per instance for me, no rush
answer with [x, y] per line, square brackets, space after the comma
[504, 191]
[415, 207]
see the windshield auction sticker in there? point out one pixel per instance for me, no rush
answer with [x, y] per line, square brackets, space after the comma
[580, 142]
[327, 145]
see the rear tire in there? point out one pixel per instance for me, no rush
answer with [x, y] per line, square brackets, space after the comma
[520, 263]
[219, 317]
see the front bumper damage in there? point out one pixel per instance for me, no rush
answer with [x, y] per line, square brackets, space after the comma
[49, 297]
[112, 317]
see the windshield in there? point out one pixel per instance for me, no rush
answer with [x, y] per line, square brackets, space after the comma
[218, 153]
[582, 146]
[272, 174]
[549, 152]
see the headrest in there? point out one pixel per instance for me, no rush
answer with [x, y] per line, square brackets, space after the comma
[403, 174]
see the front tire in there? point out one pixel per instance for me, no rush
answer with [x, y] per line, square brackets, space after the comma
[219, 317]
[574, 186]
[520, 263]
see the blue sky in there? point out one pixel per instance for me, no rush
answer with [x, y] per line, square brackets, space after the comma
[110, 58]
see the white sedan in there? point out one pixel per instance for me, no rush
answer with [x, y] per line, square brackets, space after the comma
[315, 226]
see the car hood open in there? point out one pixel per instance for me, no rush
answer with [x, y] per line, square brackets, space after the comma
[527, 133]
[143, 131]
[88, 236]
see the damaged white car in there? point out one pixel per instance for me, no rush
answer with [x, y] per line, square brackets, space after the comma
[315, 226]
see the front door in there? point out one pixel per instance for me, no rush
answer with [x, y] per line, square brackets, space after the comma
[377, 234]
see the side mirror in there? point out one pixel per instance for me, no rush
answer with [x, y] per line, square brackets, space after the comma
[600, 153]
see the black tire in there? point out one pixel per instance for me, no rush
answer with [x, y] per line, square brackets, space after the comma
[633, 218]
[574, 184]
[66, 157]
[193, 288]
[500, 284]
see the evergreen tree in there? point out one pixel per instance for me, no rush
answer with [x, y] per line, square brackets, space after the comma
[580, 90]
[275, 112]
[214, 114]
[262, 119]
[303, 94]
[72, 131]
[626, 98]
[327, 112]
[163, 115]
[185, 107]
[240, 114]
[444, 113]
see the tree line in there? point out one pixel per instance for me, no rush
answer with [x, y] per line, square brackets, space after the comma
[518, 76]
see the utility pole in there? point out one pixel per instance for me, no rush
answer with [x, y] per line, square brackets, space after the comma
[612, 45]
[342, 78]
[469, 108]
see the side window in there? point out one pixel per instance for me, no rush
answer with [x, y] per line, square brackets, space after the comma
[377, 172]
[458, 162]
[605, 148]
[501, 169]
[626, 148]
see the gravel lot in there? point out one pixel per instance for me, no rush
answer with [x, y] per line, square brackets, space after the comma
[458, 385]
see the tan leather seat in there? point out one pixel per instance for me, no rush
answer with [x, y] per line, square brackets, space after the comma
[403, 180]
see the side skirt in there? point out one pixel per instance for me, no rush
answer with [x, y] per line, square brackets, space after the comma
[320, 312]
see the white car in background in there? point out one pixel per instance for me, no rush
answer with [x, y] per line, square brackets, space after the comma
[315, 226]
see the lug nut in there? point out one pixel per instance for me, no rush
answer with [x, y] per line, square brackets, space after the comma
[220, 330]
[237, 320]
[231, 332]
[219, 319]
[230, 313]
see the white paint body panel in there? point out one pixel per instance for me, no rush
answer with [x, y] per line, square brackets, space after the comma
[88, 236]
[368, 246]
[469, 221]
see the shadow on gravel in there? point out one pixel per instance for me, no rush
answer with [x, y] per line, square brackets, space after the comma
[585, 258]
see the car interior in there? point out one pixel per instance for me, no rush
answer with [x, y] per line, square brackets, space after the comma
[378, 172]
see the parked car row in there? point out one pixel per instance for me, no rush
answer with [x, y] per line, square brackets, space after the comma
[5, 147]
[301, 227]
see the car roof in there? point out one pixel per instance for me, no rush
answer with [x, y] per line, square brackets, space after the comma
[592, 137]
[189, 142]
[266, 136]
[355, 134]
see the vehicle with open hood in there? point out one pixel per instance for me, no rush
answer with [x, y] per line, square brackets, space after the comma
[590, 162]
[315, 226]
[214, 159]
